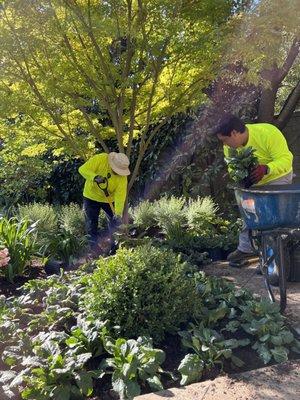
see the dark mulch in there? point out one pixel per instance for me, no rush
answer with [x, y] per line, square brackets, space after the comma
[35, 271]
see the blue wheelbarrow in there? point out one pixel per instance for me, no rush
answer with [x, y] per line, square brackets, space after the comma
[272, 213]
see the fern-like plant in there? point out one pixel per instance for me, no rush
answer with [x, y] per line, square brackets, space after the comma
[170, 215]
[144, 214]
[200, 211]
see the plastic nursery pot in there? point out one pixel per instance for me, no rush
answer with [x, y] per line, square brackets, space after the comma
[53, 267]
[225, 253]
[216, 253]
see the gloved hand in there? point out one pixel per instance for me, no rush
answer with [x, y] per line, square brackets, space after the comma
[257, 173]
[99, 179]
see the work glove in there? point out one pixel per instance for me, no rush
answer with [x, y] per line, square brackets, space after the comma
[257, 173]
[99, 179]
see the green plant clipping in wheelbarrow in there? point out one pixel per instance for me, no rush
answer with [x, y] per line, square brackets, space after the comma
[240, 163]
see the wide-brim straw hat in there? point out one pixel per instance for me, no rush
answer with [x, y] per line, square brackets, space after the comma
[119, 163]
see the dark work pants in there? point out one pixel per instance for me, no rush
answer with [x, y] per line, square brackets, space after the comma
[92, 210]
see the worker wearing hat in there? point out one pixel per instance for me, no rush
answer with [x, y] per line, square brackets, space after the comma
[105, 189]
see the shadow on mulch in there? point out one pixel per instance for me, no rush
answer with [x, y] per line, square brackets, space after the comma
[36, 271]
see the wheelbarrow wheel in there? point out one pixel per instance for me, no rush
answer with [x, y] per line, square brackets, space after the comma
[280, 257]
[273, 243]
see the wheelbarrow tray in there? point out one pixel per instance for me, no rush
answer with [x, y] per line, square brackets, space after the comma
[269, 207]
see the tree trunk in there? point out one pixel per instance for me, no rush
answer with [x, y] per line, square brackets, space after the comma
[274, 77]
[266, 109]
[289, 107]
[125, 217]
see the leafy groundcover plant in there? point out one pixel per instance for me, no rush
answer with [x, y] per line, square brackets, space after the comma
[231, 319]
[240, 163]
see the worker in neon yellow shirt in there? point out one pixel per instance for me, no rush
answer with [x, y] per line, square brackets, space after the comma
[274, 162]
[105, 188]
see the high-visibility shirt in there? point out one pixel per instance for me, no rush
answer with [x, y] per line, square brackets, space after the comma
[270, 148]
[117, 184]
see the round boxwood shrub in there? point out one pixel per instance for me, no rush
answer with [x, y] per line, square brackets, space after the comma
[145, 291]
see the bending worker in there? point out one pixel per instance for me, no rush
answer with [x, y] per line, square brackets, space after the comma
[105, 188]
[274, 162]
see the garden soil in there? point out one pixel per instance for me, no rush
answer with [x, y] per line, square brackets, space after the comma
[279, 382]
[12, 289]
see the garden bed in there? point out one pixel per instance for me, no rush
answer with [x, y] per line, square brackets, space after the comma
[217, 328]
[138, 321]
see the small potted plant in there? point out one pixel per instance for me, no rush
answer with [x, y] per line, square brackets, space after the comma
[240, 163]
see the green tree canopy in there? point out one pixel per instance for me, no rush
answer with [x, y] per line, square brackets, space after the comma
[80, 71]
[267, 45]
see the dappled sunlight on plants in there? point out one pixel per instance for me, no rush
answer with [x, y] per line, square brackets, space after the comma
[133, 311]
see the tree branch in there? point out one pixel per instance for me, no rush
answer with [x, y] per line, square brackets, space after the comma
[290, 59]
[94, 130]
[289, 107]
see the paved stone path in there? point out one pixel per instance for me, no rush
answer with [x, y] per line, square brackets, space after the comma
[280, 382]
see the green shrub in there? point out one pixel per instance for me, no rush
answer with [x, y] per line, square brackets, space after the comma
[19, 239]
[167, 213]
[169, 209]
[145, 291]
[191, 228]
[200, 211]
[230, 233]
[170, 215]
[71, 218]
[144, 214]
[218, 232]
[190, 246]
[42, 214]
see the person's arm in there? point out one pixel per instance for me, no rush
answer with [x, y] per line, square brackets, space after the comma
[282, 158]
[120, 196]
[89, 168]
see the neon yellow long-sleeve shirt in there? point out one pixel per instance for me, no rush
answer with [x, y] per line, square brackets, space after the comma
[117, 184]
[271, 149]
